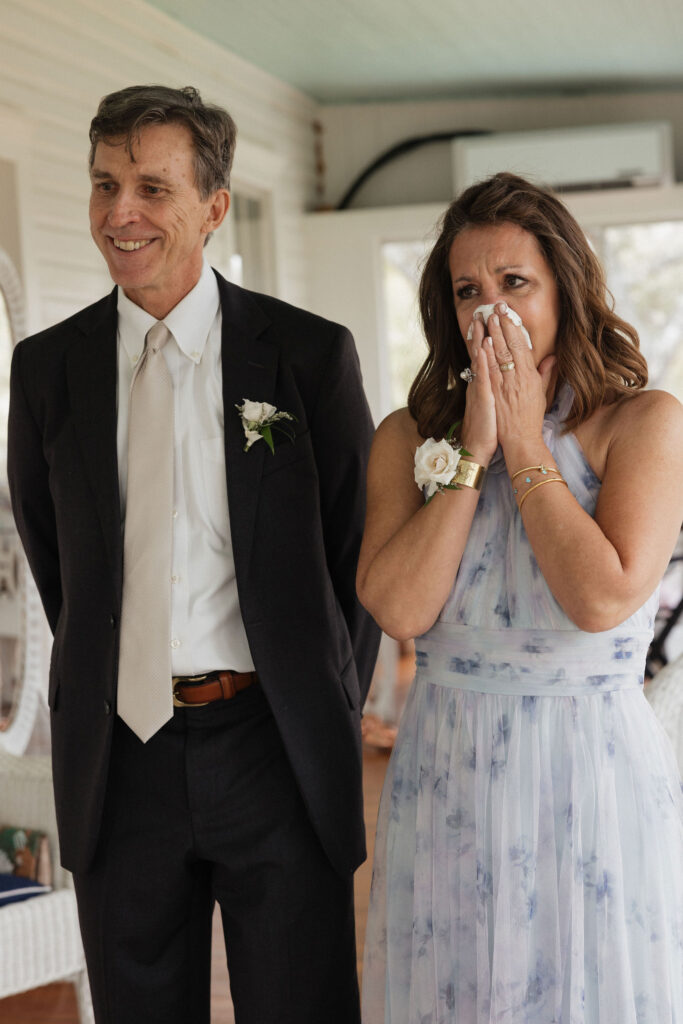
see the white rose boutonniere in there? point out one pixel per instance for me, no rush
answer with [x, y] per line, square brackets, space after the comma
[260, 419]
[436, 463]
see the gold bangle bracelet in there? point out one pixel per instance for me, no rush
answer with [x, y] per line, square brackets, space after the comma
[548, 480]
[527, 469]
[469, 474]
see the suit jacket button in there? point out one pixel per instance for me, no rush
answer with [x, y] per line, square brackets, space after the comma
[112, 619]
[107, 707]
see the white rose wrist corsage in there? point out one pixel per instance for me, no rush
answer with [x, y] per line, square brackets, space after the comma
[438, 466]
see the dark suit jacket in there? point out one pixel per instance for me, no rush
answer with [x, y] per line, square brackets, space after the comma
[295, 517]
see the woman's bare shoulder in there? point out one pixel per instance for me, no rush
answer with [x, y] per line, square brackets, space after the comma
[646, 420]
[393, 449]
[644, 429]
[399, 429]
[652, 414]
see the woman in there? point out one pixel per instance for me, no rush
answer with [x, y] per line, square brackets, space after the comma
[530, 837]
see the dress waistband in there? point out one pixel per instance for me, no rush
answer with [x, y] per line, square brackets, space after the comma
[552, 663]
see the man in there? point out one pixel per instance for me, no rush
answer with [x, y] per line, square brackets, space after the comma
[195, 552]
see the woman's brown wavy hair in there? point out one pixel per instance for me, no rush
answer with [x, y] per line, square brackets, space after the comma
[597, 352]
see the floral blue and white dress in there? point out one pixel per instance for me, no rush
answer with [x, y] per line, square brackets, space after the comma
[529, 854]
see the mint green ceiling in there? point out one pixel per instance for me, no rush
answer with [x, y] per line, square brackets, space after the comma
[354, 50]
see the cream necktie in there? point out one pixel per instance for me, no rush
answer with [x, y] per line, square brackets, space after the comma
[144, 687]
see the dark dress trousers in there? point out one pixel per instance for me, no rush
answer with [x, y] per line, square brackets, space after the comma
[296, 520]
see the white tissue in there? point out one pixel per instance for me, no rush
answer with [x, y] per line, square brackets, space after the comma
[486, 311]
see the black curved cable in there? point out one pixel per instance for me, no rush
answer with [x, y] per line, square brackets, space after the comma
[398, 150]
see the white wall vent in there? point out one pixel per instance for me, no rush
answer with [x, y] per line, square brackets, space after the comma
[571, 159]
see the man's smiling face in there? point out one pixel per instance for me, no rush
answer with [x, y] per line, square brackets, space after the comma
[147, 217]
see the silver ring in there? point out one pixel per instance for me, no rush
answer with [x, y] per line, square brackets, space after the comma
[506, 367]
[467, 375]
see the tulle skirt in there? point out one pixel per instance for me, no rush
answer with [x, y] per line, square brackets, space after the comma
[528, 862]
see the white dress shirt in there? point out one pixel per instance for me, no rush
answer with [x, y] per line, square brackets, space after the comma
[207, 631]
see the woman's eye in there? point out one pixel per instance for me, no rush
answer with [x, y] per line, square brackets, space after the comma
[514, 281]
[466, 291]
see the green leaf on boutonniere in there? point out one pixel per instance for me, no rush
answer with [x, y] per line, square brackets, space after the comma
[267, 435]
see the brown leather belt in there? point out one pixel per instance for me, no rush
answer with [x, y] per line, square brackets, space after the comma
[197, 691]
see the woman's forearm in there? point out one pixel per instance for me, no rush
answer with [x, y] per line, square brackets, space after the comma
[405, 584]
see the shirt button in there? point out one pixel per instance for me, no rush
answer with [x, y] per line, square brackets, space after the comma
[195, 356]
[174, 513]
[175, 579]
[135, 359]
[175, 643]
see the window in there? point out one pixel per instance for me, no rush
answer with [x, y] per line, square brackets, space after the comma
[644, 266]
[12, 568]
[401, 267]
[5, 360]
[240, 248]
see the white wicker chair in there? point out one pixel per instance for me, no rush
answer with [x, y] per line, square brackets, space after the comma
[665, 694]
[40, 941]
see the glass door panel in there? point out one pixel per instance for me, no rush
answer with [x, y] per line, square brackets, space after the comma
[240, 248]
[401, 268]
[644, 267]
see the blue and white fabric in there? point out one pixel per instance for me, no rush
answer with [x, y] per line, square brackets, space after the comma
[529, 852]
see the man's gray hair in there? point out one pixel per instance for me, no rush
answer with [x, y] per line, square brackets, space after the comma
[123, 115]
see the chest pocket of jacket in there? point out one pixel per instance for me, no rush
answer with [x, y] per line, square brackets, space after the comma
[288, 452]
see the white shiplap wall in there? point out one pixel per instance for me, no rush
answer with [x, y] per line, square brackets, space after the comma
[56, 60]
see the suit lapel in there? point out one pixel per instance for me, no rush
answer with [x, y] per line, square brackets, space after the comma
[249, 371]
[249, 365]
[92, 380]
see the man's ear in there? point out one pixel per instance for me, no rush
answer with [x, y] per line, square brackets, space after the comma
[218, 207]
